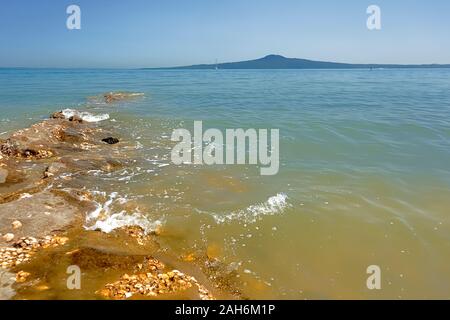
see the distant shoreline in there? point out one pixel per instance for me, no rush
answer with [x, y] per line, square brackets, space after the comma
[279, 62]
[424, 67]
[270, 62]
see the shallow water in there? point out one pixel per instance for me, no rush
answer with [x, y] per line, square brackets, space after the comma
[364, 176]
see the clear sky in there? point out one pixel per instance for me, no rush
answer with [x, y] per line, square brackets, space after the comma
[152, 33]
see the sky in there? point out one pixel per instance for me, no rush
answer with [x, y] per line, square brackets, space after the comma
[157, 33]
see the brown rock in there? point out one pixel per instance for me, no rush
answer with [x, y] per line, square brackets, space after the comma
[76, 119]
[57, 115]
[111, 97]
[8, 148]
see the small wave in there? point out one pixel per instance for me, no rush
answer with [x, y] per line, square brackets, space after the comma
[273, 206]
[122, 219]
[86, 116]
[104, 219]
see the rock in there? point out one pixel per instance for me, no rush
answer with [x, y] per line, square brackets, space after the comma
[6, 285]
[36, 154]
[17, 224]
[76, 118]
[53, 169]
[111, 97]
[22, 276]
[57, 115]
[3, 175]
[8, 237]
[111, 140]
[8, 148]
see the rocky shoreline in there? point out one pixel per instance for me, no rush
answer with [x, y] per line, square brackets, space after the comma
[43, 209]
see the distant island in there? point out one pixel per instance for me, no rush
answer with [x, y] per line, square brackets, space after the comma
[273, 61]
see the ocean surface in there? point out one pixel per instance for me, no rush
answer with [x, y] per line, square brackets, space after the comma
[364, 173]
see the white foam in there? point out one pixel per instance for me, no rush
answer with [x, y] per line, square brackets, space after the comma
[104, 219]
[123, 219]
[84, 115]
[273, 206]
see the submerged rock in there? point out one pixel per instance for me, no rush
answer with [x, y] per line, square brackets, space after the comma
[41, 213]
[3, 175]
[111, 140]
[153, 284]
[111, 97]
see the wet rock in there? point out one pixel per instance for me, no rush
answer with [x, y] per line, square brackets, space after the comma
[36, 153]
[54, 168]
[7, 280]
[43, 212]
[152, 285]
[3, 175]
[17, 224]
[8, 148]
[44, 140]
[111, 140]
[57, 115]
[92, 258]
[71, 135]
[111, 97]
[17, 148]
[76, 118]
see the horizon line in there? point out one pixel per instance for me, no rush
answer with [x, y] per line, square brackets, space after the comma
[230, 62]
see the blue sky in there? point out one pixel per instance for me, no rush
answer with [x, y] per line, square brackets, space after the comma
[152, 33]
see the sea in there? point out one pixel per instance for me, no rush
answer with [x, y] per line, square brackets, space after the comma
[364, 175]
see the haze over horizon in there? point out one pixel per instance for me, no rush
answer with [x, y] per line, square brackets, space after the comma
[143, 34]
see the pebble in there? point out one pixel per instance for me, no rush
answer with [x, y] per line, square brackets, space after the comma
[8, 237]
[22, 250]
[17, 224]
[152, 284]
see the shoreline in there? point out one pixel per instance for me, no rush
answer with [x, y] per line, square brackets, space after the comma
[43, 213]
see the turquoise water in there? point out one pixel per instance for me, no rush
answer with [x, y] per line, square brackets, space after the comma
[364, 176]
